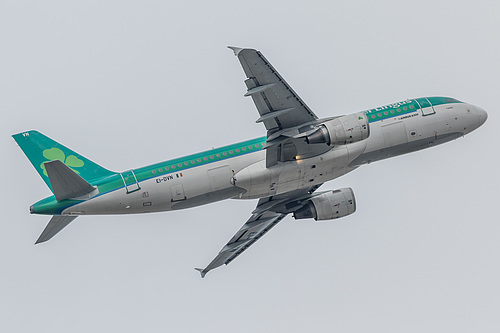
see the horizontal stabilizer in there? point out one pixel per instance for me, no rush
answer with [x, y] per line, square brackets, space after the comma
[65, 182]
[56, 224]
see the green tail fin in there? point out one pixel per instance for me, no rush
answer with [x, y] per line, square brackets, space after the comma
[40, 149]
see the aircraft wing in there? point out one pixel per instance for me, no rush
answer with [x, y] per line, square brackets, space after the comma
[267, 214]
[278, 105]
[285, 115]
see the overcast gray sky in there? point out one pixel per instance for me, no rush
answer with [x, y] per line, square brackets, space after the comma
[132, 83]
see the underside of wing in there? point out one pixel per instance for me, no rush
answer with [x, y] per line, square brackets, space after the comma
[278, 105]
[267, 214]
[285, 115]
[257, 226]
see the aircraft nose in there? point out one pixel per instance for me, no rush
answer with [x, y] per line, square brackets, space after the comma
[482, 116]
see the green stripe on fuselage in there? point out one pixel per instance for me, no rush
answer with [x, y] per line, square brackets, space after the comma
[187, 162]
[400, 108]
[51, 206]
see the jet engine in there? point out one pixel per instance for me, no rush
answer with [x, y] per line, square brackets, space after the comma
[341, 130]
[328, 206]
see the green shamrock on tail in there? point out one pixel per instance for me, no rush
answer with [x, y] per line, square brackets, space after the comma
[57, 154]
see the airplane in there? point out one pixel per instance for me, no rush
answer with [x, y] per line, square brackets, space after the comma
[283, 169]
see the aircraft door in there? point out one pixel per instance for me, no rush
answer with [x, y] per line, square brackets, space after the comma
[178, 193]
[130, 181]
[425, 106]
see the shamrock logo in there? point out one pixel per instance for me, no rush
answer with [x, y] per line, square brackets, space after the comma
[57, 154]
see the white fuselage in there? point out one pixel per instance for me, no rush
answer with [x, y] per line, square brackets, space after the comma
[247, 177]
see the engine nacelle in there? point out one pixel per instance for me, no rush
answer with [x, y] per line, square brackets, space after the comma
[342, 130]
[328, 206]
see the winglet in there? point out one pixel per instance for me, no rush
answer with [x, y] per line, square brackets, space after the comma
[235, 49]
[202, 272]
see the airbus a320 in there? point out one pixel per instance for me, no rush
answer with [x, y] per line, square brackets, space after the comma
[283, 170]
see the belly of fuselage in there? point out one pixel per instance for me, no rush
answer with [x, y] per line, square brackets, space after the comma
[259, 181]
[192, 187]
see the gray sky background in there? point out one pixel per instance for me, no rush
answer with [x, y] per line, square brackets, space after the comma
[132, 83]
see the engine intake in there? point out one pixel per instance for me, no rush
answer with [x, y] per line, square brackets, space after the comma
[328, 206]
[342, 130]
